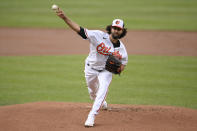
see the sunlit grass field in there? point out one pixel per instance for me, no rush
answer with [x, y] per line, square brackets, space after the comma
[147, 80]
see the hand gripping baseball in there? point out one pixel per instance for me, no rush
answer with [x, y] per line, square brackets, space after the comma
[66, 19]
[60, 13]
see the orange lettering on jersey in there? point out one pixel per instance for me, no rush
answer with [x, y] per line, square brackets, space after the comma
[117, 54]
[102, 49]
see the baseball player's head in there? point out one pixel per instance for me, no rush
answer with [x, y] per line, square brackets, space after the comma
[116, 29]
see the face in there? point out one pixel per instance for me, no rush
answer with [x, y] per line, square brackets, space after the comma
[116, 32]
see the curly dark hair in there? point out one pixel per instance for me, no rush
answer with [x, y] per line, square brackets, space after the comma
[108, 29]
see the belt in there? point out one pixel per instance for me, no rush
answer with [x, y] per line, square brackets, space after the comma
[94, 68]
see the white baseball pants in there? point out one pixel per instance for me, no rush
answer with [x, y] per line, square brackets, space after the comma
[98, 83]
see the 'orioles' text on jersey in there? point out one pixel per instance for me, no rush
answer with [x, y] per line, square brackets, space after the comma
[101, 47]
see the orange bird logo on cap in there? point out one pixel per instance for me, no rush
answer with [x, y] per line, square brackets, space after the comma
[117, 22]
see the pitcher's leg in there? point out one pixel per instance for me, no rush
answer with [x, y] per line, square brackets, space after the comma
[104, 78]
[91, 81]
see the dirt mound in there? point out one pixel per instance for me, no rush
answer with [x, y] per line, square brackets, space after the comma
[59, 116]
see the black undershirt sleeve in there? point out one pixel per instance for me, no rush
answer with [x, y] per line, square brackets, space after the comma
[82, 33]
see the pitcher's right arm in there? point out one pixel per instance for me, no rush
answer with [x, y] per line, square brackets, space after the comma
[68, 21]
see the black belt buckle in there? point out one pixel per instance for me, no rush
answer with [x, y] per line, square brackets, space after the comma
[94, 69]
[99, 70]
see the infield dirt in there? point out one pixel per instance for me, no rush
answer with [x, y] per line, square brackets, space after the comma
[56, 116]
[17, 41]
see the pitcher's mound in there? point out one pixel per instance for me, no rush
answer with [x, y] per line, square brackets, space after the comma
[59, 116]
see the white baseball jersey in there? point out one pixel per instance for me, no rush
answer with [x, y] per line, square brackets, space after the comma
[101, 47]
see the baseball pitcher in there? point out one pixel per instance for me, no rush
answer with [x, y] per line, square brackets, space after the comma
[107, 56]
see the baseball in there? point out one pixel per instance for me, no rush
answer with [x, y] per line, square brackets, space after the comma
[54, 7]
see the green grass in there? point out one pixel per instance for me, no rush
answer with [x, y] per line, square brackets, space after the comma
[147, 80]
[137, 14]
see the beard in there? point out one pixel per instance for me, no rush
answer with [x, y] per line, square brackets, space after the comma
[114, 36]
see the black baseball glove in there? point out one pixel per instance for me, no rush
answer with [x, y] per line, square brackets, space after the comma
[113, 64]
